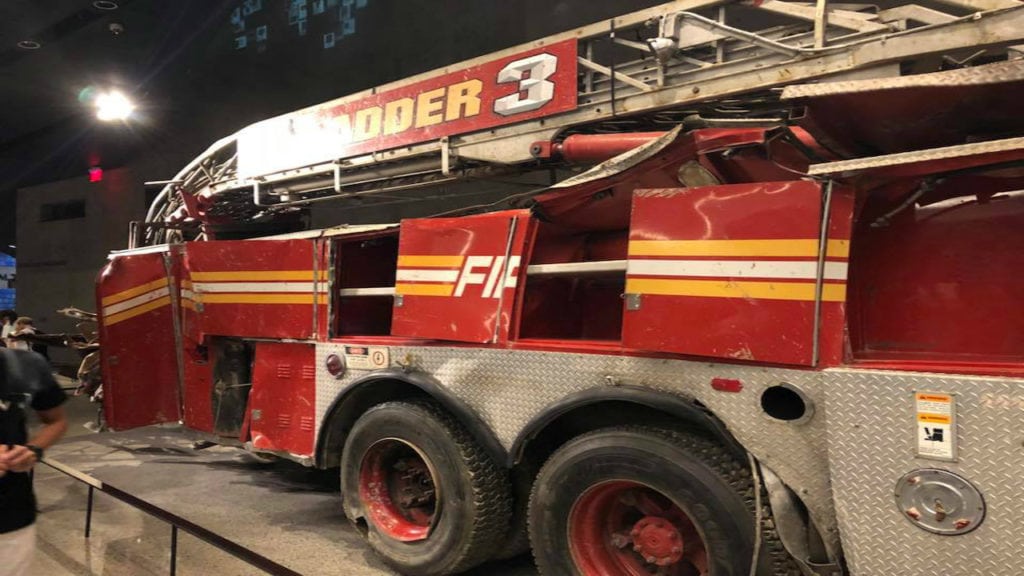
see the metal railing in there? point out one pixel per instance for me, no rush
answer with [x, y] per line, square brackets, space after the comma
[176, 522]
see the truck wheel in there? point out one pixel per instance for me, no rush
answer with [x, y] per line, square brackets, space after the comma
[432, 500]
[641, 501]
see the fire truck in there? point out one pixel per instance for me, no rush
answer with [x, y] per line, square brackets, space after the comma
[745, 297]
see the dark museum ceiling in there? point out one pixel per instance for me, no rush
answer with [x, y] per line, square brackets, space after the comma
[200, 69]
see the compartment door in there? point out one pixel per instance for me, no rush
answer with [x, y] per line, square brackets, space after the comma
[137, 329]
[283, 399]
[457, 277]
[256, 288]
[730, 272]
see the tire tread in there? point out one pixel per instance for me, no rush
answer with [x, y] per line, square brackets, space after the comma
[491, 492]
[731, 469]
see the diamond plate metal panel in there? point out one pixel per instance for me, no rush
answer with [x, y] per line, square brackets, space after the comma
[871, 444]
[507, 388]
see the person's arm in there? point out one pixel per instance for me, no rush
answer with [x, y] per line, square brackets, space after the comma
[20, 458]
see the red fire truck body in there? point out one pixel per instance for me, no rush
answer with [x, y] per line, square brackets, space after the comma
[718, 347]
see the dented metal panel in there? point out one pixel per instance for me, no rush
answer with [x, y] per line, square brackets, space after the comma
[140, 370]
[457, 277]
[916, 112]
[266, 288]
[731, 272]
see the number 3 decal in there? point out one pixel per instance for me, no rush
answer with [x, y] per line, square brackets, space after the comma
[535, 90]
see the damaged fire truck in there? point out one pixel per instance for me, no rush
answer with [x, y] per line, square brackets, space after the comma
[757, 309]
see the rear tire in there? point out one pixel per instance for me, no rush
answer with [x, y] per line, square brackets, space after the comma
[636, 501]
[432, 500]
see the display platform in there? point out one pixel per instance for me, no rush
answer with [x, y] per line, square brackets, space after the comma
[281, 510]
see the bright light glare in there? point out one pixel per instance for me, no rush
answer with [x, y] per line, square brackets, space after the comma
[113, 106]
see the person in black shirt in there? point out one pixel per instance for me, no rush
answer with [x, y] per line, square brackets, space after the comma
[25, 381]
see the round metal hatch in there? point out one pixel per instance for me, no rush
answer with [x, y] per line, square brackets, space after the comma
[940, 501]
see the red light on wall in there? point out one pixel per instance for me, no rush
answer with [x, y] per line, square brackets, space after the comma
[95, 174]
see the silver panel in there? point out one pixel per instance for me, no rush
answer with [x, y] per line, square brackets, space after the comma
[871, 444]
[858, 164]
[507, 388]
[1000, 72]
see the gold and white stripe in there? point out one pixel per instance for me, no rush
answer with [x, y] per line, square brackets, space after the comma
[776, 269]
[427, 274]
[135, 301]
[769, 269]
[258, 287]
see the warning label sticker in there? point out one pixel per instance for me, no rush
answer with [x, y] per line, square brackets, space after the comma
[936, 425]
[366, 357]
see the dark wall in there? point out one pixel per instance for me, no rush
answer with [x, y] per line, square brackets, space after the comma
[195, 84]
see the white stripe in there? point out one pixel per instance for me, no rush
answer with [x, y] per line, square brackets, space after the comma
[133, 302]
[186, 294]
[419, 275]
[807, 270]
[252, 286]
[383, 291]
[576, 268]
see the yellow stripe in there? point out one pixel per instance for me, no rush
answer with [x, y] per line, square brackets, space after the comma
[255, 275]
[133, 312]
[249, 298]
[803, 291]
[838, 249]
[133, 292]
[189, 305]
[806, 247]
[187, 284]
[424, 289]
[406, 261]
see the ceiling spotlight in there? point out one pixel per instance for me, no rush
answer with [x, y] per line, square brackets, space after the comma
[29, 45]
[104, 5]
[113, 106]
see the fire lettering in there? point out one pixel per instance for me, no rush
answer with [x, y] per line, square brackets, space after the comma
[494, 281]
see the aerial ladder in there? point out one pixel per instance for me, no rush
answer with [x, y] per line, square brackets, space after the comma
[696, 63]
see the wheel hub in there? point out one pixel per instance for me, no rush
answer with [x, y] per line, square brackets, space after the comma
[396, 486]
[657, 540]
[628, 528]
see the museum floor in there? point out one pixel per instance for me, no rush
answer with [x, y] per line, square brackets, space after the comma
[281, 510]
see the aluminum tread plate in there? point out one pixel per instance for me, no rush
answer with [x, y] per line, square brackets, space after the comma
[996, 73]
[931, 154]
[507, 388]
[871, 444]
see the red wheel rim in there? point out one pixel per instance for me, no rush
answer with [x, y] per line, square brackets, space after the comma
[396, 486]
[624, 528]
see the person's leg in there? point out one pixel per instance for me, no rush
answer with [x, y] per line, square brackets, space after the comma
[16, 549]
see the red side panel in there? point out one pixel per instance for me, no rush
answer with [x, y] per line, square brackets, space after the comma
[729, 272]
[256, 288]
[941, 283]
[140, 371]
[457, 276]
[198, 368]
[282, 403]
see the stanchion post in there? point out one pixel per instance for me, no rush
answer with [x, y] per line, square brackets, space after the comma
[174, 549]
[88, 514]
